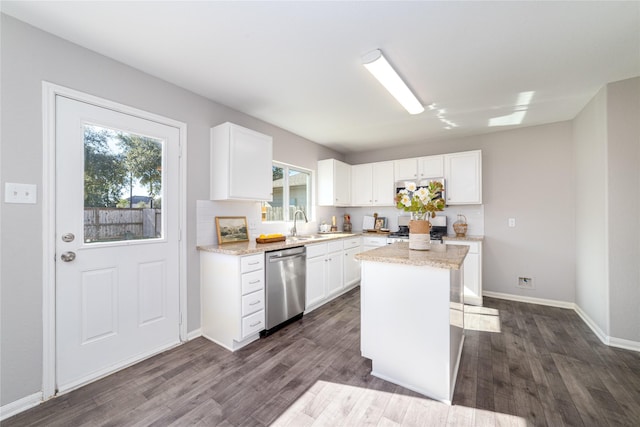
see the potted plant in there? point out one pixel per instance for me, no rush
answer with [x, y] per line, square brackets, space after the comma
[423, 203]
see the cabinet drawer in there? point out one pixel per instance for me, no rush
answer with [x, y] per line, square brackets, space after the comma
[374, 241]
[252, 302]
[251, 263]
[316, 250]
[253, 281]
[334, 246]
[252, 324]
[474, 247]
[351, 243]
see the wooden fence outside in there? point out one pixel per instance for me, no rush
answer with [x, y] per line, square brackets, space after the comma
[274, 213]
[110, 224]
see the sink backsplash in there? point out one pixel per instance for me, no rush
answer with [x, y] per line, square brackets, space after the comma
[207, 210]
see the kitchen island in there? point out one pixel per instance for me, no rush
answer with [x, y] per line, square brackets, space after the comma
[412, 318]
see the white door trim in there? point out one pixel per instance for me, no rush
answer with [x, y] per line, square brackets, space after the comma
[49, 92]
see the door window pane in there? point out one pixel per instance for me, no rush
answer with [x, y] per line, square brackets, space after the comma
[122, 185]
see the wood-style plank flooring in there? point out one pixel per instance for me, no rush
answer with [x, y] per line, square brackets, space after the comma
[522, 365]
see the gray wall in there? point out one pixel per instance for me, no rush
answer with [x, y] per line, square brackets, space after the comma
[623, 164]
[30, 56]
[590, 136]
[607, 147]
[527, 175]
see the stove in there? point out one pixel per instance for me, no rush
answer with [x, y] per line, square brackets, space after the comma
[438, 229]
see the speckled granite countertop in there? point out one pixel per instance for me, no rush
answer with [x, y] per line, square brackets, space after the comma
[440, 255]
[465, 238]
[251, 247]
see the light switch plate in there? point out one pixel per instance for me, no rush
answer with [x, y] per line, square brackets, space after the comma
[20, 193]
[512, 222]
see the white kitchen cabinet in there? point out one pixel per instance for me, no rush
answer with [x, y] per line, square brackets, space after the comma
[463, 178]
[431, 167]
[373, 184]
[334, 183]
[472, 275]
[335, 264]
[232, 298]
[351, 266]
[419, 169]
[371, 242]
[328, 264]
[241, 162]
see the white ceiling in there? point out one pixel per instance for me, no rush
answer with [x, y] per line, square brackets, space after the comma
[297, 65]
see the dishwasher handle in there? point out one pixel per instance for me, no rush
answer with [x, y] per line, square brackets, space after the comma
[278, 258]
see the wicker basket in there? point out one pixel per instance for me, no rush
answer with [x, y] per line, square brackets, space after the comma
[460, 226]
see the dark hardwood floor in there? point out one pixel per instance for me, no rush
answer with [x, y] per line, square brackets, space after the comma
[522, 365]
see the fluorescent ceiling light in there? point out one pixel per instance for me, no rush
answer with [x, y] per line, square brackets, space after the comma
[387, 76]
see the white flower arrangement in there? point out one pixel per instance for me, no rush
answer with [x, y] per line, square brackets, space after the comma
[421, 201]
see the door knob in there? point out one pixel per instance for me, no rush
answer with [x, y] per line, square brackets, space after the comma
[68, 256]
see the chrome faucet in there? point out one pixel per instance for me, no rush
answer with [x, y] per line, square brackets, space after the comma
[294, 230]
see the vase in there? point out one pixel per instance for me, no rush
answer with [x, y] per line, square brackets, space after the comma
[419, 234]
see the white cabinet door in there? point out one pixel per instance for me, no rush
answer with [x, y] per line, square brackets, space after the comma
[472, 275]
[342, 184]
[372, 184]
[431, 167]
[405, 169]
[463, 174]
[362, 184]
[334, 273]
[241, 162]
[351, 267]
[316, 290]
[334, 183]
[383, 183]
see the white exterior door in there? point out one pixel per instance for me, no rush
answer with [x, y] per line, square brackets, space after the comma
[117, 268]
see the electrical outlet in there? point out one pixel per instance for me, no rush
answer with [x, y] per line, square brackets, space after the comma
[512, 222]
[525, 283]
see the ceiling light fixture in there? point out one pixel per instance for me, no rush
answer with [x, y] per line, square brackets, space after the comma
[387, 76]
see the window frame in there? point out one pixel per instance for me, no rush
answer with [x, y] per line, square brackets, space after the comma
[286, 191]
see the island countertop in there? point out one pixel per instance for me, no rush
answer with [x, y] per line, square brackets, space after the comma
[440, 255]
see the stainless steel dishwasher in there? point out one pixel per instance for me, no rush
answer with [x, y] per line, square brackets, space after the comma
[285, 286]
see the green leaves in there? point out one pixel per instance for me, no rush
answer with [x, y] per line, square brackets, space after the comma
[422, 200]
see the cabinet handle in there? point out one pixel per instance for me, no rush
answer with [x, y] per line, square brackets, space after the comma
[254, 282]
[254, 324]
[254, 263]
[255, 302]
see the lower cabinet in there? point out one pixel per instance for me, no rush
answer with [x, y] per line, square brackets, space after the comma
[351, 267]
[331, 270]
[472, 276]
[232, 298]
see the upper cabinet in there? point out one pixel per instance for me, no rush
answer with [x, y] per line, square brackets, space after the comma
[419, 169]
[334, 183]
[463, 178]
[241, 162]
[372, 184]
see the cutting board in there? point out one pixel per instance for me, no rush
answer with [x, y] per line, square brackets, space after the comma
[368, 223]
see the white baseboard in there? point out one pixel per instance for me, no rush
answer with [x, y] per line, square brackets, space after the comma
[194, 334]
[606, 339]
[20, 405]
[531, 300]
[592, 325]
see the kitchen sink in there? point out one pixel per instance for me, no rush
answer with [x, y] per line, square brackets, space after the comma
[320, 236]
[304, 238]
